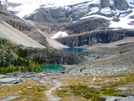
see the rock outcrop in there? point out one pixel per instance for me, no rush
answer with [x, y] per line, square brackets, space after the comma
[74, 12]
[112, 98]
[126, 94]
[15, 21]
[121, 4]
[88, 24]
[10, 80]
[98, 36]
[54, 56]
[53, 15]
[9, 98]
[104, 3]
[61, 14]
[23, 26]
[130, 98]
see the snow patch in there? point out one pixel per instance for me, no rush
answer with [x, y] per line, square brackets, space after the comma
[93, 10]
[130, 15]
[95, 16]
[123, 23]
[59, 34]
[25, 8]
[106, 10]
[131, 3]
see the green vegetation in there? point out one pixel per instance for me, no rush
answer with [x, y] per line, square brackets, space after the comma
[82, 86]
[86, 92]
[28, 90]
[14, 58]
[19, 58]
[11, 68]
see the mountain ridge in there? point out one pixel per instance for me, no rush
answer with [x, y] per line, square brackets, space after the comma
[78, 17]
[20, 31]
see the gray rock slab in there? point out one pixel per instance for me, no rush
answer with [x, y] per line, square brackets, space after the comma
[36, 78]
[130, 98]
[109, 98]
[2, 76]
[114, 98]
[126, 94]
[9, 98]
[126, 87]
[10, 80]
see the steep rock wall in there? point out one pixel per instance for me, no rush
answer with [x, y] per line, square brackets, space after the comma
[100, 36]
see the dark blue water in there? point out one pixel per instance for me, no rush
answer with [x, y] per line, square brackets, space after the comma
[84, 50]
[74, 49]
[52, 67]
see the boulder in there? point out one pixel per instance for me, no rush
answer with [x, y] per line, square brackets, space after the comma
[108, 98]
[126, 87]
[9, 98]
[114, 98]
[2, 76]
[126, 94]
[10, 80]
[130, 98]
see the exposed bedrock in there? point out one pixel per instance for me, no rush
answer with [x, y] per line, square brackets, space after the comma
[98, 36]
[121, 4]
[88, 24]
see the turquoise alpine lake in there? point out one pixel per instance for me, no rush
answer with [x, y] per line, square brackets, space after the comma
[52, 67]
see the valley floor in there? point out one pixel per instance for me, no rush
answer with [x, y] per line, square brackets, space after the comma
[103, 77]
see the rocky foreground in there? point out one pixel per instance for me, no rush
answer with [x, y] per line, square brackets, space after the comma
[56, 80]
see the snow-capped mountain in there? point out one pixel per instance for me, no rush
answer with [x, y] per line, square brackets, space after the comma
[77, 16]
[25, 7]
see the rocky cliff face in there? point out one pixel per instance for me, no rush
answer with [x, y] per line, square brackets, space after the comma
[54, 56]
[76, 11]
[23, 26]
[59, 14]
[121, 4]
[104, 3]
[78, 17]
[88, 24]
[15, 21]
[100, 36]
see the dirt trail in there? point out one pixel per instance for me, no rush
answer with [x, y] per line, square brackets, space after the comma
[48, 93]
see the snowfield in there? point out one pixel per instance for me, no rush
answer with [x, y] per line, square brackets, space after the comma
[29, 6]
[59, 34]
[123, 23]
